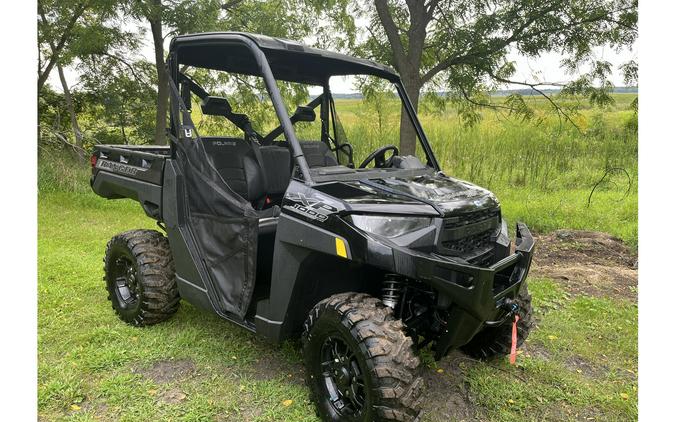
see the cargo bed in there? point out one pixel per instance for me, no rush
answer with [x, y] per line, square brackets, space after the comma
[130, 171]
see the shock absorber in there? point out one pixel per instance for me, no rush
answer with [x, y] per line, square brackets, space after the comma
[391, 290]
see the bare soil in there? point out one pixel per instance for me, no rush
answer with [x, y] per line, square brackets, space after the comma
[165, 371]
[587, 263]
[446, 397]
[270, 367]
[172, 396]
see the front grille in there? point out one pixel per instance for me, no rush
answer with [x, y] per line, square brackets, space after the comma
[470, 236]
[468, 244]
[464, 219]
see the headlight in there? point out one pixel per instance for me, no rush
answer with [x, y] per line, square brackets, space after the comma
[389, 226]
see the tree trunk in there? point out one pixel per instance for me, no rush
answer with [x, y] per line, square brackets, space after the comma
[407, 60]
[408, 136]
[69, 105]
[43, 74]
[162, 78]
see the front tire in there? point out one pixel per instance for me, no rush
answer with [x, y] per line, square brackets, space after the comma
[360, 365]
[139, 276]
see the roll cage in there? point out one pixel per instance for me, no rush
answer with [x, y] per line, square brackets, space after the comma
[277, 59]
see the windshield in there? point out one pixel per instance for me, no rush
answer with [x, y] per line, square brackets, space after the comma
[359, 119]
[353, 127]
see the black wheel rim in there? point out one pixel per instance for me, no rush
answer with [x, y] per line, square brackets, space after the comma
[342, 378]
[125, 282]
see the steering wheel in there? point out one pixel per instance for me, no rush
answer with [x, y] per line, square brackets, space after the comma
[378, 156]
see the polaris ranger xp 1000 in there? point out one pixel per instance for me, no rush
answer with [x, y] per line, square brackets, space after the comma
[281, 232]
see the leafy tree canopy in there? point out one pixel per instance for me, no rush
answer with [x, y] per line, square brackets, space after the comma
[461, 46]
[102, 40]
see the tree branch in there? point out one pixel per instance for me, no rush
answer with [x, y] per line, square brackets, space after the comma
[44, 74]
[535, 87]
[229, 5]
[129, 66]
[417, 33]
[470, 100]
[467, 58]
[607, 173]
[431, 8]
[517, 35]
[390, 28]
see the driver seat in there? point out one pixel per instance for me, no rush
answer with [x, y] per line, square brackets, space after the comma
[318, 154]
[235, 160]
[278, 164]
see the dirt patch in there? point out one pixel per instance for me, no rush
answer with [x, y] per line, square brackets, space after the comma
[272, 363]
[535, 350]
[164, 371]
[269, 367]
[447, 396]
[580, 365]
[586, 262]
[172, 396]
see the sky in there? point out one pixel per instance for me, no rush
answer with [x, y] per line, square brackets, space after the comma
[541, 69]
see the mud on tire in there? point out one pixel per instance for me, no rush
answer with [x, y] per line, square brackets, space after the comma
[494, 342]
[139, 276]
[374, 374]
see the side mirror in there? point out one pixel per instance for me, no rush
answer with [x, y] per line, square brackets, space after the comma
[304, 114]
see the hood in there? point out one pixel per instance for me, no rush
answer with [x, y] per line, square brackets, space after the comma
[418, 195]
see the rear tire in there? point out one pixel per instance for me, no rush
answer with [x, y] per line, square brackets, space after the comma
[139, 276]
[493, 342]
[360, 365]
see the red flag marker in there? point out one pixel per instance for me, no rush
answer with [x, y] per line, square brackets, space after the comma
[514, 340]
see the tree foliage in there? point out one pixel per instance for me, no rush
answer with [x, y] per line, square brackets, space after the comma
[462, 46]
[124, 95]
[448, 52]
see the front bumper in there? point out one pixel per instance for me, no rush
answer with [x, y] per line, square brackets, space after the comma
[474, 295]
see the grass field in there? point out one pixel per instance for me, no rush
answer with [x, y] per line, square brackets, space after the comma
[579, 364]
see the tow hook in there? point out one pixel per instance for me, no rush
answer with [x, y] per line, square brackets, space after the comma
[511, 308]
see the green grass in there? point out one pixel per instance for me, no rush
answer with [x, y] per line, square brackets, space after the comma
[579, 363]
[91, 365]
[87, 356]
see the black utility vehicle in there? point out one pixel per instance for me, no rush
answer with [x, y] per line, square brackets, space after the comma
[287, 237]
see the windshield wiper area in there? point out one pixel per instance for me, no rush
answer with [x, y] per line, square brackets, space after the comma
[342, 173]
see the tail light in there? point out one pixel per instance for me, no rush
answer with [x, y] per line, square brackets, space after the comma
[93, 160]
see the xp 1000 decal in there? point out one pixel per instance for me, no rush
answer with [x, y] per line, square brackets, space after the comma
[313, 208]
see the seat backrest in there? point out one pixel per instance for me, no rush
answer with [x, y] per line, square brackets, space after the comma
[235, 160]
[318, 154]
[277, 166]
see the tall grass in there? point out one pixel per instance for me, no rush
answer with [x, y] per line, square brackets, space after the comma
[542, 153]
[59, 170]
[542, 170]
